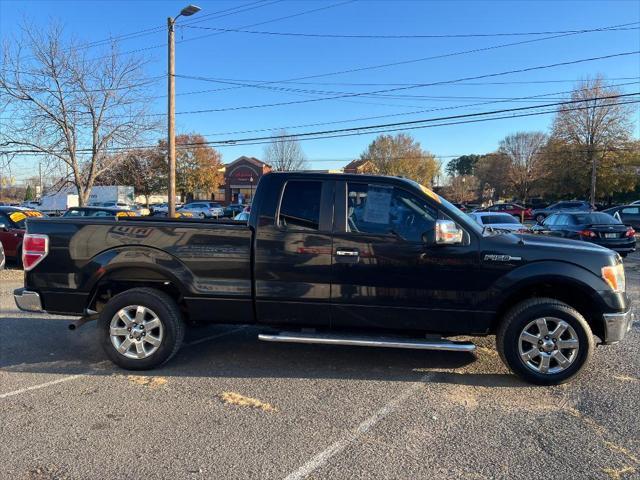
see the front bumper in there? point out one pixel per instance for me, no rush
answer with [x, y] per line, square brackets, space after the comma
[616, 326]
[27, 301]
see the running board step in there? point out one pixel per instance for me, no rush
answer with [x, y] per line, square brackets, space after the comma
[368, 341]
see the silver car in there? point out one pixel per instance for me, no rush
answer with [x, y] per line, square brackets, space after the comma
[499, 221]
[204, 209]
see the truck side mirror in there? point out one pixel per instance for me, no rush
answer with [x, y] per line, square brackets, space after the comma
[445, 232]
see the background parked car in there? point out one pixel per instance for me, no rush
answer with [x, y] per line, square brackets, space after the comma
[30, 204]
[514, 209]
[233, 209]
[98, 212]
[499, 221]
[595, 227]
[627, 214]
[242, 217]
[12, 229]
[204, 209]
[565, 206]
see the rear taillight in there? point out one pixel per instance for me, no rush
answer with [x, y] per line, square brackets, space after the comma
[587, 233]
[34, 249]
[630, 232]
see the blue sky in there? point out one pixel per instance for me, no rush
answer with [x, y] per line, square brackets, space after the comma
[242, 56]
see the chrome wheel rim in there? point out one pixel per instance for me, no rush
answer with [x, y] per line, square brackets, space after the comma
[548, 345]
[136, 332]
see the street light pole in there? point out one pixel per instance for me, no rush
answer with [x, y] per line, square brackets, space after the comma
[171, 111]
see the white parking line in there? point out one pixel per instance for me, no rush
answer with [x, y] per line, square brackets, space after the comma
[73, 377]
[39, 386]
[323, 457]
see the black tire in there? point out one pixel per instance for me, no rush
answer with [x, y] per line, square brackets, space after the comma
[540, 218]
[515, 321]
[167, 312]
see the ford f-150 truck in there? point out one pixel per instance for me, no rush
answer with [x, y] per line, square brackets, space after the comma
[335, 259]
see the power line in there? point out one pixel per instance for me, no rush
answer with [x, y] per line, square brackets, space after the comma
[160, 28]
[393, 84]
[375, 117]
[415, 60]
[262, 142]
[623, 27]
[357, 94]
[365, 130]
[305, 12]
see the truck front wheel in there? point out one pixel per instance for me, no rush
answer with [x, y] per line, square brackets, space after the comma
[140, 328]
[545, 341]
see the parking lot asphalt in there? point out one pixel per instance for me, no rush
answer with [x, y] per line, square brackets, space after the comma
[229, 406]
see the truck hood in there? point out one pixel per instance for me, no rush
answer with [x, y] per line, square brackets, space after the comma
[524, 249]
[543, 241]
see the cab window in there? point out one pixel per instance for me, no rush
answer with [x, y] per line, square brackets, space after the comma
[300, 205]
[386, 210]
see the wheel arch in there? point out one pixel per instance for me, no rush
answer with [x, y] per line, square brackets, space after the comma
[124, 268]
[565, 289]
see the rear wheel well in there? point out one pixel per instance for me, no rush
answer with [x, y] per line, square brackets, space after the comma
[121, 280]
[566, 292]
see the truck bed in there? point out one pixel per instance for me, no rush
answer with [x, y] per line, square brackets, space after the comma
[208, 261]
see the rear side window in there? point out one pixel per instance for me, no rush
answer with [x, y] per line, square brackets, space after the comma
[74, 213]
[630, 211]
[596, 219]
[300, 206]
[494, 219]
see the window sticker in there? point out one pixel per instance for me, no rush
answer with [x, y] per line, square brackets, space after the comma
[378, 205]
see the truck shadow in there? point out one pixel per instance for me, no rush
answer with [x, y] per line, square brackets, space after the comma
[233, 352]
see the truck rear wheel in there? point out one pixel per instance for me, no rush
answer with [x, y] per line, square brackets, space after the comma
[545, 341]
[140, 328]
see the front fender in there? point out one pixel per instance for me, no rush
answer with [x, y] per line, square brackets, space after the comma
[555, 273]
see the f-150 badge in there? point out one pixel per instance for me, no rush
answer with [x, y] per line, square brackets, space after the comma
[501, 258]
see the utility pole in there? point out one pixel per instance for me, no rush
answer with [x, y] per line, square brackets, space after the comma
[171, 142]
[171, 84]
[40, 178]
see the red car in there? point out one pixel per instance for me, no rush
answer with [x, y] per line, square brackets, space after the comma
[510, 208]
[12, 229]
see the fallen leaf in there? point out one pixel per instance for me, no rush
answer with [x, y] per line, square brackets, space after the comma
[233, 398]
[151, 382]
[617, 473]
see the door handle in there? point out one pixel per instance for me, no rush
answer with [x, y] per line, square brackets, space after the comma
[347, 253]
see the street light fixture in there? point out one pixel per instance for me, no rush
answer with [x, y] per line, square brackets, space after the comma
[189, 10]
[171, 81]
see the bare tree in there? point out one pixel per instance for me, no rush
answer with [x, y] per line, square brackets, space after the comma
[601, 125]
[462, 188]
[68, 107]
[284, 153]
[523, 149]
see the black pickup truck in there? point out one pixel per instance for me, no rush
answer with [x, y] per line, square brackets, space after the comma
[335, 259]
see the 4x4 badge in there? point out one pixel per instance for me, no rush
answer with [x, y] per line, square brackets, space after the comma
[501, 258]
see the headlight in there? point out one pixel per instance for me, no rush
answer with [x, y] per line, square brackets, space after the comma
[614, 276]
